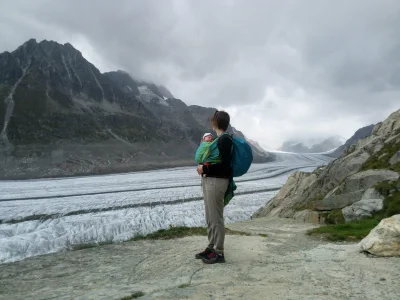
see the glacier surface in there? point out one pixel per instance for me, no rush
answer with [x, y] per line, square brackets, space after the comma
[50, 215]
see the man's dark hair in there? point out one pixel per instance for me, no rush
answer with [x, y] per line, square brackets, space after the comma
[220, 119]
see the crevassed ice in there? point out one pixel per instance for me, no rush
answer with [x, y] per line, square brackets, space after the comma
[89, 225]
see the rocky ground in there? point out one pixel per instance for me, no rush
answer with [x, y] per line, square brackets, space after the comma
[287, 264]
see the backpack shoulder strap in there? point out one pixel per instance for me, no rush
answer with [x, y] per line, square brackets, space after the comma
[230, 136]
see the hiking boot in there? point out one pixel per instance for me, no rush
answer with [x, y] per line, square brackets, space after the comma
[214, 258]
[204, 254]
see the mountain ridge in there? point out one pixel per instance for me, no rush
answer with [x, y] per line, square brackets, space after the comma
[60, 116]
[359, 134]
[321, 146]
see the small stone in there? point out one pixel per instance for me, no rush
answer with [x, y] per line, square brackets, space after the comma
[382, 279]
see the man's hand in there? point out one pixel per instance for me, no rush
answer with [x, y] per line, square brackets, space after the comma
[200, 169]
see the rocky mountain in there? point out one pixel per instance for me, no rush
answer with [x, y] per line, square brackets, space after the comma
[259, 154]
[346, 189]
[257, 146]
[294, 146]
[60, 116]
[313, 147]
[165, 92]
[359, 134]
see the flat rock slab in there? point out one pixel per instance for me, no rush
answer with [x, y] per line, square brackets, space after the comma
[338, 201]
[286, 265]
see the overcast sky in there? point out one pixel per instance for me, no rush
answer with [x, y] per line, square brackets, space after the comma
[283, 69]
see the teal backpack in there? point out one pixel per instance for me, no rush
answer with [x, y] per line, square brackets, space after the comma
[242, 157]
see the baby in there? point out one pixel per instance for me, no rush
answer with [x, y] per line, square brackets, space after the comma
[204, 146]
[208, 151]
[207, 137]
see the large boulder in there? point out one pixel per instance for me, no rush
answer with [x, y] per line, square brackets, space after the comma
[353, 188]
[366, 179]
[362, 209]
[338, 201]
[371, 201]
[384, 239]
[372, 194]
[285, 201]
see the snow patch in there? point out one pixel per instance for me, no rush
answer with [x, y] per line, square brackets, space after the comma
[73, 71]
[10, 108]
[65, 66]
[119, 138]
[163, 102]
[148, 96]
[98, 84]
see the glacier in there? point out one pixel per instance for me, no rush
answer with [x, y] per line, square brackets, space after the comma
[49, 215]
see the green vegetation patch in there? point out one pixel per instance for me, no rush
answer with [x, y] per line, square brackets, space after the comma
[334, 217]
[357, 230]
[391, 191]
[83, 246]
[134, 295]
[175, 232]
[391, 205]
[380, 160]
[386, 187]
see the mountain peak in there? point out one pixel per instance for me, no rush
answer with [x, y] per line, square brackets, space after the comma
[46, 49]
[359, 134]
[30, 42]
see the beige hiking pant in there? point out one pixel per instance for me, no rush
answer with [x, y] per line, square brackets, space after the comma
[214, 191]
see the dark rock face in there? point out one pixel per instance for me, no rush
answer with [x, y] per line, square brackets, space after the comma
[60, 116]
[359, 134]
[58, 94]
[124, 82]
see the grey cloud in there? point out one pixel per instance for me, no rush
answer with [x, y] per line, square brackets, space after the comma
[337, 60]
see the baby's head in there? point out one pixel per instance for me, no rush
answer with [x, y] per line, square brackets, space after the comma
[208, 137]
